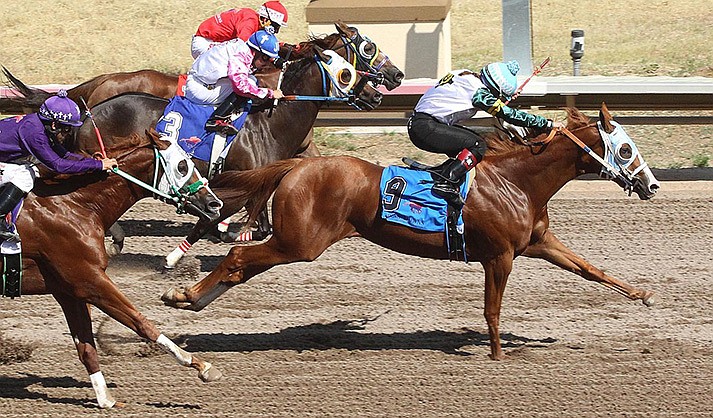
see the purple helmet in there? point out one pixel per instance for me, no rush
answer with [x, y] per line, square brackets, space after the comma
[61, 109]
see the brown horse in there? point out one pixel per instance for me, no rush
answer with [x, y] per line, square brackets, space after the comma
[255, 149]
[348, 42]
[63, 222]
[505, 214]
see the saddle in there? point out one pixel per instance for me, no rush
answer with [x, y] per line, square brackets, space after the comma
[455, 234]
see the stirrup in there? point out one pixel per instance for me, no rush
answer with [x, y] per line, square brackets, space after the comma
[449, 194]
[221, 125]
[7, 235]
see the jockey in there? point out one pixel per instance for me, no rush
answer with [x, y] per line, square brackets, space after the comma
[459, 96]
[39, 136]
[227, 68]
[238, 24]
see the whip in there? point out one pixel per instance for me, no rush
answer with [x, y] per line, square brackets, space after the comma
[537, 71]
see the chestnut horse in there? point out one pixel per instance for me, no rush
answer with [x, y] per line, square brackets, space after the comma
[505, 214]
[63, 222]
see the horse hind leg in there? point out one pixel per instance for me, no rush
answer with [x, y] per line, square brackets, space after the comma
[117, 238]
[241, 264]
[551, 249]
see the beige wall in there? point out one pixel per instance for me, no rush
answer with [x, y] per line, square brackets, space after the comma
[415, 34]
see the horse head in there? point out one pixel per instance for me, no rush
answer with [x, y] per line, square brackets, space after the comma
[620, 159]
[366, 56]
[182, 181]
[315, 70]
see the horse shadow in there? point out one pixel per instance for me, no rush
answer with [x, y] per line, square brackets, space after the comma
[345, 334]
[18, 388]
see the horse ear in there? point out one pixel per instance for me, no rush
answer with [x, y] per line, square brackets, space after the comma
[320, 52]
[605, 117]
[156, 140]
[342, 27]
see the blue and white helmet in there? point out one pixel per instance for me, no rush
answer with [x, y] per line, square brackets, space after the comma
[500, 77]
[264, 42]
[61, 109]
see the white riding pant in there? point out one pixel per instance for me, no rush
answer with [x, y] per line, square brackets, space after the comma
[213, 94]
[23, 176]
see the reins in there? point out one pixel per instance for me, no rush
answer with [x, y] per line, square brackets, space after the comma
[178, 198]
[628, 185]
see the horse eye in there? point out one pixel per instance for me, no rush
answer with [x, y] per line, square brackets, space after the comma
[345, 77]
[625, 152]
[367, 49]
[183, 167]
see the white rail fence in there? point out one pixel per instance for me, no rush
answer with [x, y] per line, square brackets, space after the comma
[692, 96]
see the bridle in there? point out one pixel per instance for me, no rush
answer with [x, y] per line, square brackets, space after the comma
[356, 50]
[611, 168]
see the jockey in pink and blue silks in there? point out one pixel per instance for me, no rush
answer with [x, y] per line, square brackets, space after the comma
[39, 137]
[228, 68]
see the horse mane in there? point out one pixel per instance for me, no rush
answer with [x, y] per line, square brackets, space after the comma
[500, 143]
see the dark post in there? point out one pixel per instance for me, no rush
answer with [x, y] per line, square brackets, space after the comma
[577, 49]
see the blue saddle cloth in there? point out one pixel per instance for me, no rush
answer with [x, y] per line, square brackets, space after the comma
[407, 199]
[184, 122]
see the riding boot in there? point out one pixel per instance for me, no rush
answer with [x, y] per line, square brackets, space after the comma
[220, 121]
[454, 171]
[10, 196]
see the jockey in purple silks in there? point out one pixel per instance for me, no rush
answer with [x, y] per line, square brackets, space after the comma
[27, 140]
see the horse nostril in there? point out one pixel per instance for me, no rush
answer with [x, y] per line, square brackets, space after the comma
[215, 204]
[399, 77]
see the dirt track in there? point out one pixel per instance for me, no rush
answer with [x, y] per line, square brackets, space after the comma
[367, 332]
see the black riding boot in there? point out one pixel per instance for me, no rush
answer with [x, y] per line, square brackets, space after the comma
[10, 196]
[220, 121]
[454, 171]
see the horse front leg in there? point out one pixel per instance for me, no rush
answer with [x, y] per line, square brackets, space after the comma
[101, 292]
[497, 271]
[551, 249]
[79, 320]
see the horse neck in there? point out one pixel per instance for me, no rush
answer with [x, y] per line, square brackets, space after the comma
[543, 172]
[111, 198]
[305, 79]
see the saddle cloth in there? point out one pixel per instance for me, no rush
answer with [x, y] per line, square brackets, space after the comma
[183, 122]
[407, 199]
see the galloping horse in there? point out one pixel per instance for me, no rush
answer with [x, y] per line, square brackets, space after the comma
[64, 221]
[262, 139]
[505, 214]
[360, 51]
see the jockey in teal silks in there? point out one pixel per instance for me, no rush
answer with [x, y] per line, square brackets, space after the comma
[459, 96]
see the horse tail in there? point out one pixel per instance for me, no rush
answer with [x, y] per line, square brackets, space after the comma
[29, 100]
[255, 185]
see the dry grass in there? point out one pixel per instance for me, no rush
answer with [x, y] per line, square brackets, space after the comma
[60, 41]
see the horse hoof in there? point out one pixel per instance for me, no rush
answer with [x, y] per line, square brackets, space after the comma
[112, 250]
[210, 374]
[175, 298]
[649, 299]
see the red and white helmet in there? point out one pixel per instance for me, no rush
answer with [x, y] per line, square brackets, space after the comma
[275, 11]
